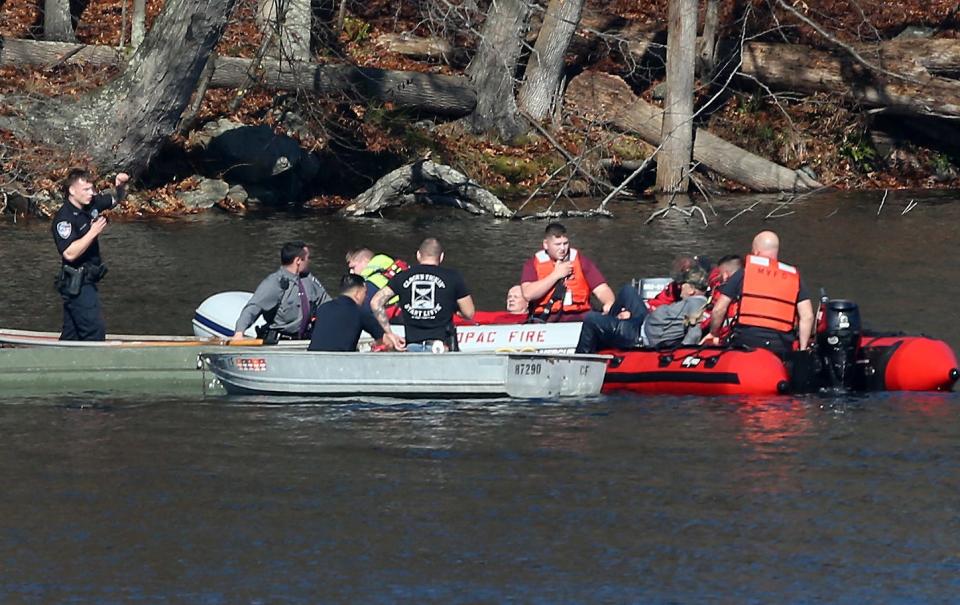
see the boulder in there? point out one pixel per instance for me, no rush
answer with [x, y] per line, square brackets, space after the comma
[256, 155]
[207, 195]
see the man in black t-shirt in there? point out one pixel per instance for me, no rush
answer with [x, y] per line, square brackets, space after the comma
[339, 322]
[429, 297]
[76, 228]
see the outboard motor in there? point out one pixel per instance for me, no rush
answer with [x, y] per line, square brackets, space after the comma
[838, 341]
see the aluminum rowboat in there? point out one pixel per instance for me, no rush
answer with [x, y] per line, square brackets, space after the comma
[403, 375]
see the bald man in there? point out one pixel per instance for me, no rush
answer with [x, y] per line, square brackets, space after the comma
[430, 295]
[772, 301]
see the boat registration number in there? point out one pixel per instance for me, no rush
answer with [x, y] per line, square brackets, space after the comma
[528, 369]
[248, 364]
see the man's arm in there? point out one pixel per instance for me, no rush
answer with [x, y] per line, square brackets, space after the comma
[264, 297]
[370, 325]
[378, 306]
[77, 248]
[717, 315]
[605, 295]
[110, 199]
[535, 290]
[467, 308]
[805, 329]
[323, 297]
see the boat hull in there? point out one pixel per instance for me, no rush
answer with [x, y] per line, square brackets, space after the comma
[172, 370]
[695, 371]
[406, 375]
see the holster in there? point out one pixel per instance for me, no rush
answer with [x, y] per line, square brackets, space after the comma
[93, 273]
[69, 280]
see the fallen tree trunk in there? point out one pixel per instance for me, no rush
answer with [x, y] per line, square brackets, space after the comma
[802, 69]
[431, 93]
[610, 100]
[927, 66]
[419, 47]
[444, 185]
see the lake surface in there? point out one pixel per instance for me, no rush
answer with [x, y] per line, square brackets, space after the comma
[612, 500]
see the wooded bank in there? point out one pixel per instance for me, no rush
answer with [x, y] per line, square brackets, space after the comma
[517, 98]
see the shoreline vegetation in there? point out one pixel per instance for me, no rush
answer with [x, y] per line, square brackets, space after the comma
[514, 108]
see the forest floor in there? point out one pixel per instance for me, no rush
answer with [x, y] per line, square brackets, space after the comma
[821, 133]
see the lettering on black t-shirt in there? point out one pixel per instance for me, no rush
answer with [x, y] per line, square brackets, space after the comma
[428, 298]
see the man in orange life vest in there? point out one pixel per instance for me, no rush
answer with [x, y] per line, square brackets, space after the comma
[772, 299]
[558, 281]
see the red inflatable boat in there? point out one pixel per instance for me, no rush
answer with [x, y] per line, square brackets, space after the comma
[887, 363]
[695, 371]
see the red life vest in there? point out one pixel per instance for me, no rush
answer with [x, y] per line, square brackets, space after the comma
[577, 297]
[769, 298]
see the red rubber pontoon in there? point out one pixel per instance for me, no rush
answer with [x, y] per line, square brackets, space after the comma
[885, 363]
[908, 363]
[696, 371]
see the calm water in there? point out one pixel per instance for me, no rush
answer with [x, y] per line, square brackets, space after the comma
[613, 500]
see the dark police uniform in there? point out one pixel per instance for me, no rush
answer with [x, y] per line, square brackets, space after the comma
[339, 324]
[77, 284]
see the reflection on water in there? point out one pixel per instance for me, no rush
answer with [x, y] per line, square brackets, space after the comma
[621, 500]
[613, 500]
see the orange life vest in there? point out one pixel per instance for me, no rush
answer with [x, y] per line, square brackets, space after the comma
[769, 297]
[577, 297]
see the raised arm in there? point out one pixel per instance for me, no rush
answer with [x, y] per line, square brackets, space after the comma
[535, 290]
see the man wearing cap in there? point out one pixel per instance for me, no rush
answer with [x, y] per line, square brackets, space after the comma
[673, 323]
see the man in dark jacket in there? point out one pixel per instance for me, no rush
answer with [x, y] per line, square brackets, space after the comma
[340, 322]
[77, 227]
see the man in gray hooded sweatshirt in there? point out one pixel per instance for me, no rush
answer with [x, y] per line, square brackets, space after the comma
[674, 323]
[287, 298]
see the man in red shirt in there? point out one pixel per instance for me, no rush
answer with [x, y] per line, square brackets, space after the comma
[558, 281]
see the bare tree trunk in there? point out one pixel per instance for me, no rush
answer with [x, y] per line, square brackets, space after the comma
[493, 68]
[57, 21]
[139, 23]
[545, 68]
[708, 43]
[677, 130]
[436, 94]
[291, 20]
[445, 185]
[341, 16]
[123, 124]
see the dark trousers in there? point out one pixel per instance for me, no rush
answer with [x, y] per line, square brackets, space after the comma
[780, 344]
[602, 330]
[82, 317]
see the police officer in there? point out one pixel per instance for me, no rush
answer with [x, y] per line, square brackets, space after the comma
[76, 228]
[287, 298]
